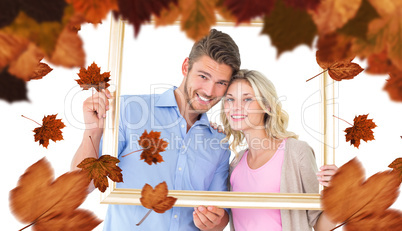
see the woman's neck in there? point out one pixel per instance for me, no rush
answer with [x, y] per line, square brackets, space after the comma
[259, 142]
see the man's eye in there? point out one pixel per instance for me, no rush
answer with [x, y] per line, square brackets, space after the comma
[222, 83]
[203, 77]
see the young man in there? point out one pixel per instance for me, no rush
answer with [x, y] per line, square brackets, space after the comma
[194, 158]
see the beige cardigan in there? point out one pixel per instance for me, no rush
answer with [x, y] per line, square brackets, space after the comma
[298, 176]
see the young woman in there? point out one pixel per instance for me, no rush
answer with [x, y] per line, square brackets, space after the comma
[274, 161]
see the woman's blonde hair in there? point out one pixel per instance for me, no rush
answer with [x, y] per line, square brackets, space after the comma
[275, 120]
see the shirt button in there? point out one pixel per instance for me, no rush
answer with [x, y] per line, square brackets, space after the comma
[182, 125]
[175, 216]
[179, 168]
[183, 146]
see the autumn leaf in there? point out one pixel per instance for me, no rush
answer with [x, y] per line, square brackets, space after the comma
[8, 11]
[152, 145]
[358, 25]
[335, 56]
[223, 11]
[168, 16]
[394, 85]
[303, 5]
[397, 166]
[44, 35]
[136, 12]
[99, 169]
[296, 27]
[50, 129]
[356, 202]
[48, 204]
[11, 48]
[384, 32]
[156, 199]
[69, 50]
[91, 77]
[246, 10]
[12, 88]
[379, 64]
[26, 64]
[331, 15]
[41, 71]
[361, 130]
[96, 10]
[44, 10]
[197, 17]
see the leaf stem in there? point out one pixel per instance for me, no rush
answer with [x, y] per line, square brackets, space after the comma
[97, 155]
[31, 120]
[146, 215]
[317, 75]
[343, 120]
[133, 152]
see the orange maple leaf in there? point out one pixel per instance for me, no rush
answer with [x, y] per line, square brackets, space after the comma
[197, 17]
[361, 130]
[359, 204]
[48, 204]
[379, 64]
[397, 166]
[92, 77]
[99, 169]
[152, 145]
[50, 129]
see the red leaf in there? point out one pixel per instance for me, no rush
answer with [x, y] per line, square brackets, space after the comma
[304, 5]
[50, 129]
[152, 145]
[361, 130]
[92, 77]
[99, 169]
[245, 10]
[139, 11]
[397, 166]
[394, 85]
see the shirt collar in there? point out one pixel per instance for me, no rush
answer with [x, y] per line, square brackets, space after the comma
[167, 99]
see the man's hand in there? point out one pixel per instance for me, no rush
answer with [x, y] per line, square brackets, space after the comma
[325, 174]
[208, 218]
[217, 127]
[95, 108]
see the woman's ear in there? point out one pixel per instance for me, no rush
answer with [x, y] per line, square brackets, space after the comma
[184, 67]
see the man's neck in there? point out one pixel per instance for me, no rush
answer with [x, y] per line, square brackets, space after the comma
[185, 110]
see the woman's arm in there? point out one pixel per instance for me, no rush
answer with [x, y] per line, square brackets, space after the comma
[324, 177]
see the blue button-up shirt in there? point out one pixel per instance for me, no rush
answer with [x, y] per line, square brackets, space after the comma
[193, 160]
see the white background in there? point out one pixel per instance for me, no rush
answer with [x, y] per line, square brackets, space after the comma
[152, 63]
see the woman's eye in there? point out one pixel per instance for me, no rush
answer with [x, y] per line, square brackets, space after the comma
[229, 99]
[248, 99]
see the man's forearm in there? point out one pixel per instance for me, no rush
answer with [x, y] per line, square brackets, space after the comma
[86, 148]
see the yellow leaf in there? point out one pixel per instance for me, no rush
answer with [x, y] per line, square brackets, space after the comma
[197, 17]
[334, 14]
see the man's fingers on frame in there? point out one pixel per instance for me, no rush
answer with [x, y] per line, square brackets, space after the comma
[203, 218]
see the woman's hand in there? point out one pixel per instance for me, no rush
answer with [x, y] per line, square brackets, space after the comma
[325, 174]
[217, 127]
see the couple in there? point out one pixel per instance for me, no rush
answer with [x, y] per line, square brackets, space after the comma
[275, 160]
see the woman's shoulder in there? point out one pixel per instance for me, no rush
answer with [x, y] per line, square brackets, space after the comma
[297, 146]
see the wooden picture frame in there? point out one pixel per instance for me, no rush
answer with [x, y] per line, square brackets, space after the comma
[115, 195]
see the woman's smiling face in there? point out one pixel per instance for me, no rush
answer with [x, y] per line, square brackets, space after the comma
[242, 108]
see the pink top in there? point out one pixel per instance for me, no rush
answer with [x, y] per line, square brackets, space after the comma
[267, 179]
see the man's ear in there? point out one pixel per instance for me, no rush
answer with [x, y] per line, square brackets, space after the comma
[184, 67]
